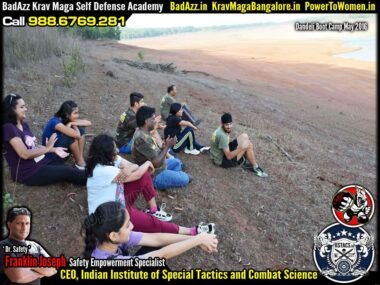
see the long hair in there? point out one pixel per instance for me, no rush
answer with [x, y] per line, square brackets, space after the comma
[9, 108]
[102, 151]
[108, 217]
[65, 110]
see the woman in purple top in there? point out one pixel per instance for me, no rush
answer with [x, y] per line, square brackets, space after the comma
[108, 235]
[26, 159]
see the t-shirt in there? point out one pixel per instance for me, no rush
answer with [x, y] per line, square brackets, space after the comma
[50, 129]
[145, 148]
[172, 126]
[219, 141]
[126, 127]
[35, 250]
[134, 239]
[165, 103]
[101, 188]
[22, 168]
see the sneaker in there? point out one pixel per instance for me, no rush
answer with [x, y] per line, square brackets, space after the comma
[190, 178]
[197, 122]
[193, 151]
[206, 228]
[161, 214]
[80, 167]
[205, 148]
[259, 172]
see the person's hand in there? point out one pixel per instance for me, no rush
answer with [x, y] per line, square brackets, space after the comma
[161, 125]
[170, 141]
[208, 242]
[194, 128]
[61, 152]
[157, 119]
[51, 141]
[151, 168]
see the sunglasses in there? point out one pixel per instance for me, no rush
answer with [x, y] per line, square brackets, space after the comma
[11, 98]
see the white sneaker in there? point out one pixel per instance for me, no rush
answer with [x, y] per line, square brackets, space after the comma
[205, 148]
[193, 151]
[206, 228]
[161, 214]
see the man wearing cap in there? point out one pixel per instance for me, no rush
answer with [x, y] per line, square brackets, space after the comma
[237, 152]
[169, 99]
[185, 138]
[16, 245]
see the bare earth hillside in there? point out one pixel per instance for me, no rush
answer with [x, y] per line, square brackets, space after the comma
[323, 115]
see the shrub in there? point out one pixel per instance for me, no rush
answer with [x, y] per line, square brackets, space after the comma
[23, 45]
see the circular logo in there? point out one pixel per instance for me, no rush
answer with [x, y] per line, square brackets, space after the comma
[343, 254]
[353, 206]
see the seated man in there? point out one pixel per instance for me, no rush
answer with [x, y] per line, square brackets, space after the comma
[169, 99]
[230, 154]
[185, 138]
[18, 224]
[127, 124]
[168, 172]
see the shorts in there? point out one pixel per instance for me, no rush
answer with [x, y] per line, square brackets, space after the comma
[228, 163]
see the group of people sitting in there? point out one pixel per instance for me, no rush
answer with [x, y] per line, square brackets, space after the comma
[113, 181]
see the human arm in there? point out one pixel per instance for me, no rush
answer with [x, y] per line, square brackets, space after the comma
[25, 153]
[175, 244]
[158, 160]
[184, 123]
[50, 271]
[21, 274]
[81, 123]
[68, 130]
[132, 173]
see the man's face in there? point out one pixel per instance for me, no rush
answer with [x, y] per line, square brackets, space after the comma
[150, 123]
[174, 91]
[227, 127]
[140, 104]
[19, 228]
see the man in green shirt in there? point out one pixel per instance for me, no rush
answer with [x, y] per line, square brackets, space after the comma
[237, 152]
[127, 123]
[168, 100]
[168, 172]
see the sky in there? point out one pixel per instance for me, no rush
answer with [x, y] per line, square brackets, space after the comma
[203, 20]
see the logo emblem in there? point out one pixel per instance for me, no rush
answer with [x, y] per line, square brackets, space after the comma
[353, 206]
[343, 254]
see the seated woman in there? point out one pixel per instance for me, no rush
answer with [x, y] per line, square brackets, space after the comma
[108, 235]
[112, 178]
[27, 161]
[70, 132]
[186, 138]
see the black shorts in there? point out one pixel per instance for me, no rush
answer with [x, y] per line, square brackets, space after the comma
[228, 163]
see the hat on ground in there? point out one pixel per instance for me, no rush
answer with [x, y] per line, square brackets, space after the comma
[174, 108]
[226, 118]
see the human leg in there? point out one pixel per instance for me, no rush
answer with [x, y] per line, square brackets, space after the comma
[127, 149]
[147, 223]
[53, 173]
[143, 186]
[174, 164]
[249, 153]
[188, 116]
[185, 140]
[170, 179]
